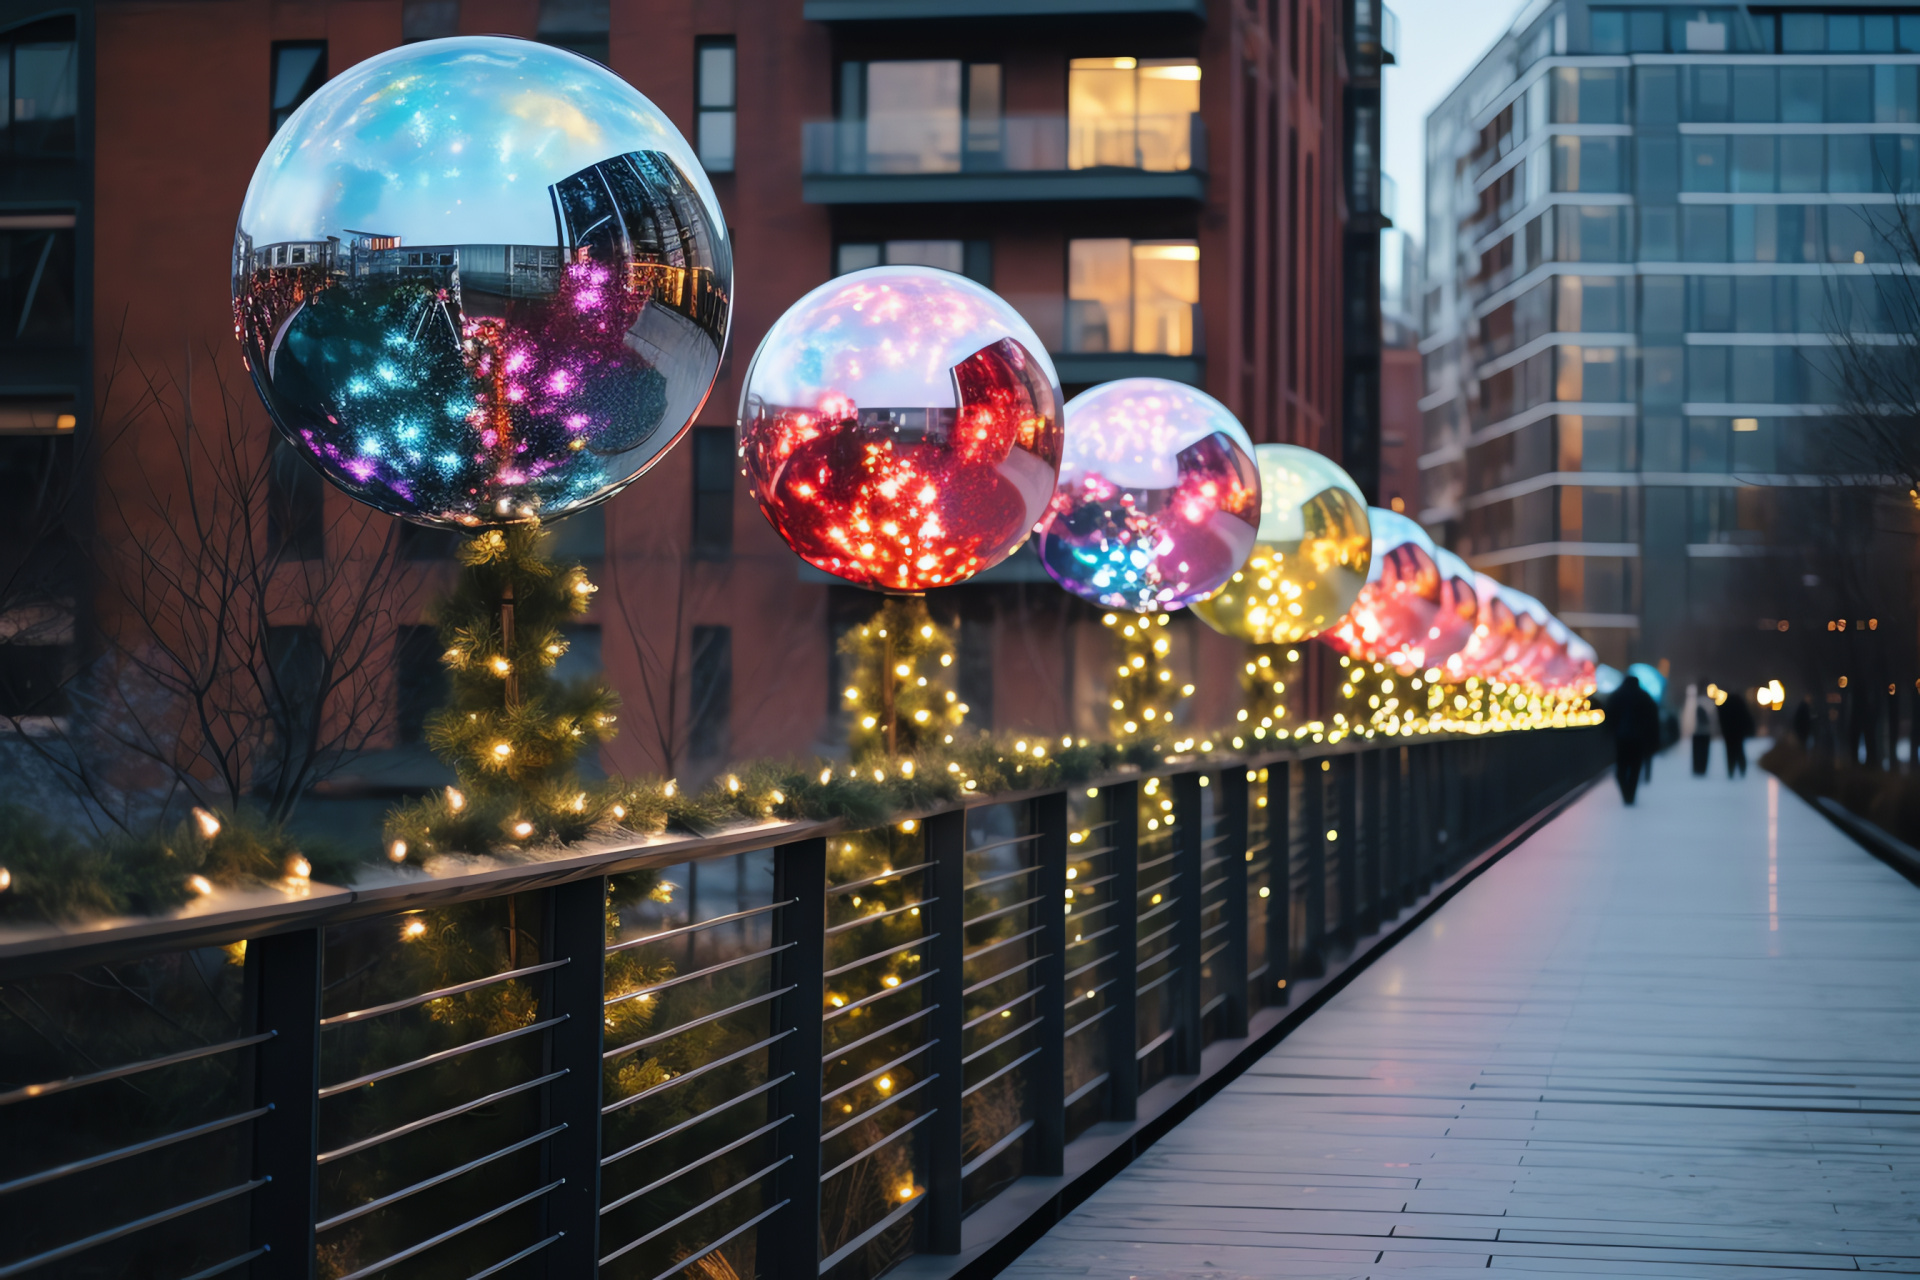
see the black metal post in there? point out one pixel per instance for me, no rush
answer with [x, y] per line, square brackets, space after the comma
[789, 1243]
[1346, 843]
[1050, 987]
[577, 933]
[1189, 842]
[1280, 828]
[1313, 838]
[1122, 804]
[1231, 804]
[946, 1138]
[283, 983]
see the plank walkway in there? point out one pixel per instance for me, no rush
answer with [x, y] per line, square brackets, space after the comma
[1674, 1040]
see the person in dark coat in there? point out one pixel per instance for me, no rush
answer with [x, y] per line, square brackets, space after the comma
[1803, 723]
[1701, 708]
[1630, 712]
[1736, 726]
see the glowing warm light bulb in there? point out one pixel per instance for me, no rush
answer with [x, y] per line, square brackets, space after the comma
[208, 824]
[200, 885]
[523, 829]
[397, 851]
[456, 801]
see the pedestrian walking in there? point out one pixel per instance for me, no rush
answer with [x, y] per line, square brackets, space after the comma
[1803, 723]
[1736, 726]
[1700, 711]
[1629, 711]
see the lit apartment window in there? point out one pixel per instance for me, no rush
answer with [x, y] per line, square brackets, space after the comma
[429, 20]
[1133, 295]
[299, 69]
[1132, 113]
[39, 67]
[923, 116]
[578, 25]
[970, 258]
[713, 463]
[713, 70]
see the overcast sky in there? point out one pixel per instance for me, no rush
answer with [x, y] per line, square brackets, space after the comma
[1439, 41]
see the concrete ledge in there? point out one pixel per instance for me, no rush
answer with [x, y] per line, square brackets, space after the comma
[998, 1232]
[1890, 849]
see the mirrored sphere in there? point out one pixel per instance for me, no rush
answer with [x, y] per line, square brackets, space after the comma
[1159, 497]
[1309, 557]
[901, 428]
[1459, 614]
[481, 280]
[1484, 654]
[1401, 601]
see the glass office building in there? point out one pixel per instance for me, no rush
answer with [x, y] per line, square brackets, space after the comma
[1646, 225]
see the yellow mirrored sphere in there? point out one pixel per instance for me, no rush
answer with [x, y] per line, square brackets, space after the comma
[1309, 558]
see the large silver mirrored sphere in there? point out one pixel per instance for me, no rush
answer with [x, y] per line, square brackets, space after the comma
[481, 280]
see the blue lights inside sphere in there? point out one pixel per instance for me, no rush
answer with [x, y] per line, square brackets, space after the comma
[1158, 500]
[481, 280]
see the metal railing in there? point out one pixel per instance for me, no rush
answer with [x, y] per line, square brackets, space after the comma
[808, 1053]
[945, 142]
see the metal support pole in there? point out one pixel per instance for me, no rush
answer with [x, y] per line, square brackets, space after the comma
[946, 1136]
[1346, 850]
[1050, 982]
[283, 982]
[1313, 838]
[1230, 800]
[789, 1243]
[1122, 804]
[1280, 829]
[1189, 840]
[576, 931]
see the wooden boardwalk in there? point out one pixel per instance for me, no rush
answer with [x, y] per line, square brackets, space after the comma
[1676, 1040]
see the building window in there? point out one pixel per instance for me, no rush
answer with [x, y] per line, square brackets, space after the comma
[429, 20]
[713, 463]
[37, 279]
[299, 69]
[580, 26]
[970, 258]
[715, 89]
[710, 707]
[1141, 296]
[421, 542]
[922, 116]
[298, 666]
[420, 680]
[1132, 113]
[296, 510]
[40, 66]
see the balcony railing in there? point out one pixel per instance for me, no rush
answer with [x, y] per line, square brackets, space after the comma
[808, 1050]
[1010, 157]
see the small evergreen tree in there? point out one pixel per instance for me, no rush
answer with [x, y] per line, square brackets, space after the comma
[900, 682]
[511, 729]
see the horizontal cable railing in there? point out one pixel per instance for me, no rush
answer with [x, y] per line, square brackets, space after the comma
[812, 1058]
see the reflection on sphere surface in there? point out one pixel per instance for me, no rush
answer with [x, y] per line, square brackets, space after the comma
[900, 428]
[1309, 558]
[481, 280]
[1159, 497]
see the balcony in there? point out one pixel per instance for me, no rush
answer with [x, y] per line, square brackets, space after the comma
[934, 157]
[911, 10]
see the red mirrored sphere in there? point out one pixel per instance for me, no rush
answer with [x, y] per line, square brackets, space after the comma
[900, 427]
[1400, 603]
